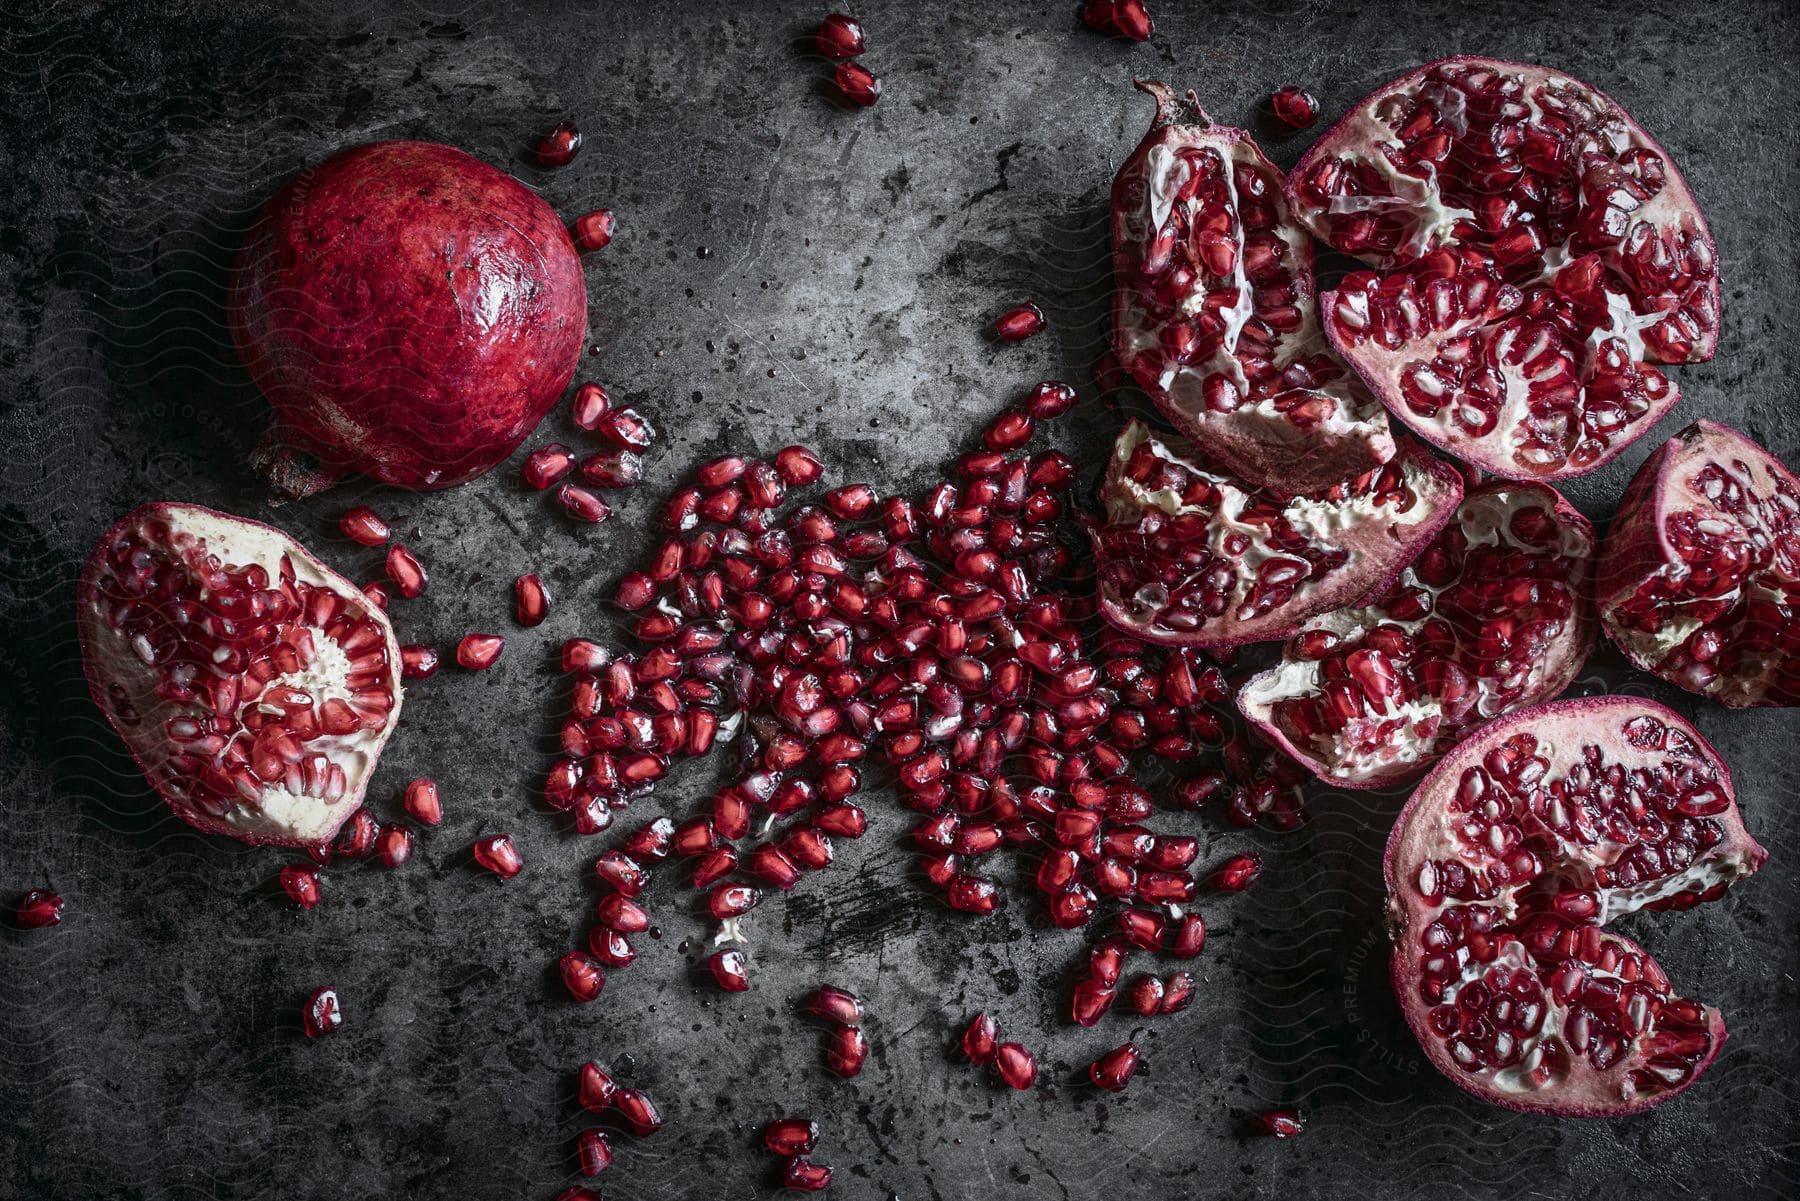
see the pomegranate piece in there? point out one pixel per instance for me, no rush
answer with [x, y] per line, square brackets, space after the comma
[582, 505]
[363, 524]
[1511, 855]
[980, 1042]
[547, 465]
[1294, 107]
[367, 356]
[791, 1136]
[1213, 312]
[1019, 323]
[582, 976]
[1697, 580]
[840, 36]
[1538, 255]
[408, 576]
[595, 1152]
[418, 662]
[857, 84]
[1190, 557]
[845, 1049]
[1016, 1065]
[41, 908]
[301, 884]
[394, 844]
[1113, 1070]
[558, 146]
[321, 1015]
[1282, 1123]
[638, 1111]
[595, 1090]
[254, 686]
[837, 1005]
[498, 855]
[1491, 617]
[478, 652]
[730, 970]
[531, 599]
[594, 231]
[805, 1175]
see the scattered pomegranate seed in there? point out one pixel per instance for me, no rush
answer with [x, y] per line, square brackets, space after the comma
[422, 802]
[576, 1192]
[857, 84]
[1189, 936]
[596, 1089]
[624, 873]
[1145, 996]
[1052, 398]
[845, 1049]
[1178, 992]
[837, 1005]
[981, 1040]
[730, 970]
[650, 841]
[619, 912]
[975, 894]
[418, 662]
[1113, 1070]
[478, 652]
[595, 1151]
[321, 1014]
[532, 599]
[356, 837]
[789, 1137]
[41, 908]
[805, 1175]
[498, 855]
[558, 147]
[376, 591]
[638, 1111]
[798, 466]
[1018, 324]
[363, 524]
[732, 900]
[1009, 431]
[840, 36]
[589, 405]
[1016, 1065]
[616, 469]
[592, 232]
[1238, 873]
[1295, 106]
[546, 465]
[394, 844]
[1126, 18]
[1282, 1123]
[405, 571]
[627, 428]
[582, 505]
[301, 884]
[1090, 1000]
[582, 976]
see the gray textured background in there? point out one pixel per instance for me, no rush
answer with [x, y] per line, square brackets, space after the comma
[149, 1047]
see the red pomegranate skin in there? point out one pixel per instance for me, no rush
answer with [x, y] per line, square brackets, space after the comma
[410, 312]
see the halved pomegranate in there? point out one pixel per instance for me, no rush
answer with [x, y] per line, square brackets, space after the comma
[1213, 310]
[1700, 575]
[254, 686]
[1543, 254]
[1494, 615]
[1522, 842]
[1189, 556]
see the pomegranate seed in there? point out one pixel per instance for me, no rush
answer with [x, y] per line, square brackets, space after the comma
[592, 816]
[478, 652]
[1009, 431]
[621, 871]
[1282, 1123]
[1189, 937]
[730, 970]
[418, 662]
[376, 591]
[840, 36]
[498, 855]
[619, 912]
[627, 429]
[1141, 928]
[546, 465]
[589, 405]
[1018, 324]
[1113, 1070]
[635, 591]
[595, 1151]
[845, 1050]
[650, 841]
[791, 1136]
[394, 844]
[596, 1090]
[610, 947]
[405, 571]
[798, 466]
[558, 147]
[852, 502]
[1295, 106]
[619, 469]
[981, 1040]
[594, 230]
[1126, 18]
[300, 883]
[1090, 1001]
[533, 600]
[1016, 1065]
[1146, 996]
[576, 1192]
[638, 1111]
[975, 894]
[857, 84]
[1178, 992]
[363, 524]
[582, 505]
[843, 819]
[732, 900]
[805, 1175]
[356, 838]
[716, 473]
[321, 1014]
[837, 1005]
[582, 976]
[1052, 398]
[581, 654]
[1238, 873]
[771, 865]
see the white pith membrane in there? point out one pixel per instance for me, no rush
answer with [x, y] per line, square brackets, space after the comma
[201, 632]
[1203, 244]
[1194, 557]
[1712, 606]
[1492, 616]
[1511, 855]
[1543, 253]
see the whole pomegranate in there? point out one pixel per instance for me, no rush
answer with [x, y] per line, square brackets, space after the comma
[254, 686]
[411, 314]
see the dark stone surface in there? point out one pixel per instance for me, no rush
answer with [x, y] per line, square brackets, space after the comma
[150, 1047]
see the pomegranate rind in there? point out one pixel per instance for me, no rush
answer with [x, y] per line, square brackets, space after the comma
[1644, 576]
[410, 312]
[1652, 295]
[1636, 735]
[1480, 520]
[281, 819]
[1258, 440]
[1378, 540]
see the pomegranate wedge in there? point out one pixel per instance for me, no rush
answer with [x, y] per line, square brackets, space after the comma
[1494, 615]
[1520, 845]
[1541, 255]
[1189, 556]
[1213, 311]
[1700, 577]
[254, 686]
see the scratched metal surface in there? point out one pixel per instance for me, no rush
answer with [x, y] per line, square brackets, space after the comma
[149, 1046]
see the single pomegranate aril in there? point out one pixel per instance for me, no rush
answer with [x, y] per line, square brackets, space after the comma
[418, 662]
[532, 599]
[730, 970]
[394, 844]
[627, 429]
[1294, 107]
[788, 1137]
[1019, 323]
[980, 1041]
[498, 855]
[422, 803]
[1238, 873]
[805, 1175]
[1189, 936]
[845, 1049]
[363, 524]
[1146, 996]
[595, 1152]
[797, 466]
[478, 652]
[589, 404]
[356, 839]
[594, 231]
[1091, 999]
[840, 36]
[638, 1111]
[547, 465]
[1113, 1070]
[1178, 992]
[1052, 398]
[301, 884]
[1016, 1065]
[619, 469]
[558, 147]
[582, 505]
[408, 576]
[837, 1005]
[582, 976]
[1282, 1123]
[857, 84]
[975, 894]
[576, 1192]
[610, 947]
[649, 843]
[596, 1089]
[583, 654]
[321, 1014]
[619, 912]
